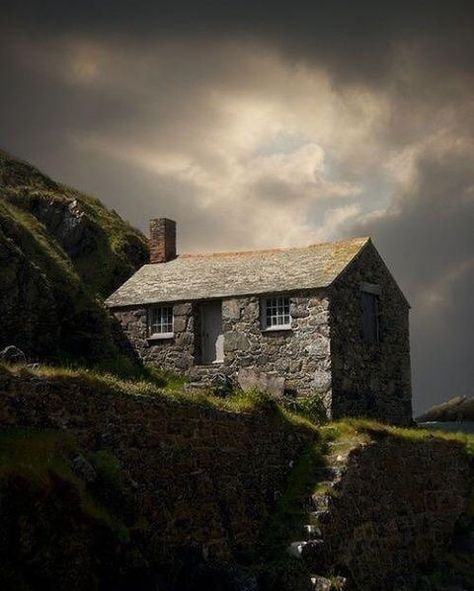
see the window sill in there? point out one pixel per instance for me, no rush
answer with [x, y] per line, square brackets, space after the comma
[161, 336]
[285, 328]
[209, 364]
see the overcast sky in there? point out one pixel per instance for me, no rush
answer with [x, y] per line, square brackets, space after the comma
[254, 125]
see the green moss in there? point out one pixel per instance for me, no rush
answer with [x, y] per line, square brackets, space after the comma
[346, 427]
[41, 457]
[34, 454]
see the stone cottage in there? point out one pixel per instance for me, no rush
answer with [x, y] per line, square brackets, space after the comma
[326, 320]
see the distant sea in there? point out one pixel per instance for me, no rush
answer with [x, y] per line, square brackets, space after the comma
[451, 426]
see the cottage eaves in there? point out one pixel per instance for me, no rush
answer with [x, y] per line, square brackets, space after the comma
[218, 275]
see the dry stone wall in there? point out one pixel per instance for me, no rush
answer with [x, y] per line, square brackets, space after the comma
[204, 478]
[392, 509]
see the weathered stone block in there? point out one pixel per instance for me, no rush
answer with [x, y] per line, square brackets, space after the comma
[252, 379]
[321, 381]
[179, 323]
[231, 310]
[319, 347]
[236, 341]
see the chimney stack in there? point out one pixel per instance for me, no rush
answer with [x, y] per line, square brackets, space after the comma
[162, 240]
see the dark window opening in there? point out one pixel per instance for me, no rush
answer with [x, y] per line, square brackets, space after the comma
[370, 317]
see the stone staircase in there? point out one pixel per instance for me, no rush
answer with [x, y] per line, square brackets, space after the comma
[311, 548]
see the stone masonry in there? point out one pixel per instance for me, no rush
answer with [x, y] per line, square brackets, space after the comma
[301, 355]
[322, 354]
[205, 477]
[370, 379]
[389, 508]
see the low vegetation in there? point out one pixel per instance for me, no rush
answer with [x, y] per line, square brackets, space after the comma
[59, 529]
[61, 253]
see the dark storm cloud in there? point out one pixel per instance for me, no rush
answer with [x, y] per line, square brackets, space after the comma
[357, 39]
[428, 236]
[256, 124]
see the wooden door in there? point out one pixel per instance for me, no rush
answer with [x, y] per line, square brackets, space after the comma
[212, 337]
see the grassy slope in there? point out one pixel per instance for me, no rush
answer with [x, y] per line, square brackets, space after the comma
[64, 522]
[41, 458]
[53, 300]
[114, 249]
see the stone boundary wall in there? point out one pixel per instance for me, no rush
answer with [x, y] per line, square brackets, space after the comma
[203, 477]
[392, 509]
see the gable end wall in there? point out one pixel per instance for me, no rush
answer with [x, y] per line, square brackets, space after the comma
[371, 380]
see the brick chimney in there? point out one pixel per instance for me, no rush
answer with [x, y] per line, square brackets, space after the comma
[162, 240]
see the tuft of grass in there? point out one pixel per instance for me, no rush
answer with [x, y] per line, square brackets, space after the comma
[373, 429]
[286, 523]
[168, 388]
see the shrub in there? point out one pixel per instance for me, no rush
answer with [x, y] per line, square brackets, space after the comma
[312, 407]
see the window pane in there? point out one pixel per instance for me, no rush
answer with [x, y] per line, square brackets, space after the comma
[277, 312]
[161, 320]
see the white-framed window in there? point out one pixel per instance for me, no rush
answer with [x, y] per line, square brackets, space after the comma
[275, 313]
[160, 322]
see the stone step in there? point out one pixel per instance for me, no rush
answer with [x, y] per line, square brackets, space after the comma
[319, 583]
[296, 548]
[317, 517]
[312, 531]
[313, 553]
[330, 473]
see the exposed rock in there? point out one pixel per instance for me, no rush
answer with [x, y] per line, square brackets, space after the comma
[236, 341]
[83, 468]
[66, 221]
[12, 354]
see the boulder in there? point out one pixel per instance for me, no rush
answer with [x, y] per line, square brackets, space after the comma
[253, 379]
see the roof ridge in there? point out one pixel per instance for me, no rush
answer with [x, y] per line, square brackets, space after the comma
[269, 250]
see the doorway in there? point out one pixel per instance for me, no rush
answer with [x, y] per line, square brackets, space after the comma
[212, 337]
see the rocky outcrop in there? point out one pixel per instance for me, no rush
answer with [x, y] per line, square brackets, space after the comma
[27, 304]
[59, 251]
[66, 221]
[460, 408]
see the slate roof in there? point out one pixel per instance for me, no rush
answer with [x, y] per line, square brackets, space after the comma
[225, 274]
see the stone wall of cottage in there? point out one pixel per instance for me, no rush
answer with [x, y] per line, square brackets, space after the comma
[300, 355]
[372, 380]
[177, 354]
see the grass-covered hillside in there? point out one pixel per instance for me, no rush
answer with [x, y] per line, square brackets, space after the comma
[61, 253]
